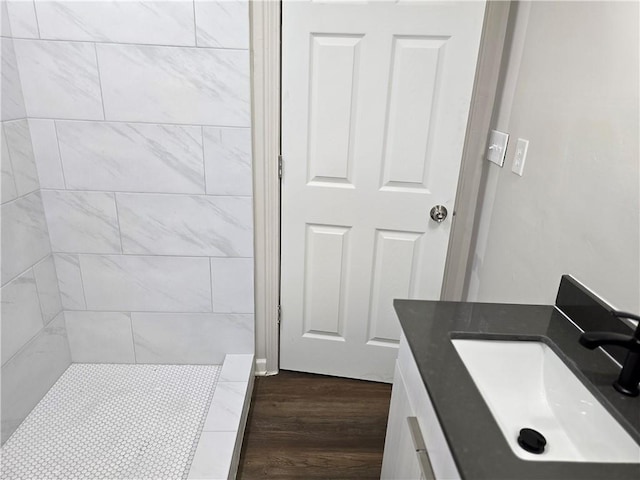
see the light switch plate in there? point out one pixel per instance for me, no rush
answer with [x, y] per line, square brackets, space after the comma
[521, 155]
[497, 148]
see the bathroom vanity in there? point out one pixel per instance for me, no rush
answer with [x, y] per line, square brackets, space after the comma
[440, 425]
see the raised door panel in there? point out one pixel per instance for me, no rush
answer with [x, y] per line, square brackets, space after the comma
[324, 281]
[412, 103]
[395, 255]
[333, 78]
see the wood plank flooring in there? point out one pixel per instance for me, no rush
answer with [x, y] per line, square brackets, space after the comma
[304, 426]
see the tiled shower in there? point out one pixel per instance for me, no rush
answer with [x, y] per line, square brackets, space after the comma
[126, 188]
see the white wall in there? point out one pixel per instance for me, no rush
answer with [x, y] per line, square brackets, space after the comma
[571, 88]
[140, 124]
[35, 350]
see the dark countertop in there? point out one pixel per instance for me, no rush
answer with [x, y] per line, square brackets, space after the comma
[477, 444]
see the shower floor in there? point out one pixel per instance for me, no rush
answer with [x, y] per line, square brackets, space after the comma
[106, 421]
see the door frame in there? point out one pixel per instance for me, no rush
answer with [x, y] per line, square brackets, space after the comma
[485, 88]
[265, 21]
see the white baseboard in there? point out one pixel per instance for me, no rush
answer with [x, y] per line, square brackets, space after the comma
[261, 368]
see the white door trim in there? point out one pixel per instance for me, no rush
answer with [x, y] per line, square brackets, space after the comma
[265, 94]
[492, 44]
[265, 89]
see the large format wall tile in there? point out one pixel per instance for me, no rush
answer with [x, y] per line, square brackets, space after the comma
[12, 101]
[150, 21]
[70, 281]
[186, 225]
[48, 292]
[82, 222]
[155, 284]
[232, 284]
[21, 317]
[4, 18]
[199, 86]
[23, 161]
[25, 240]
[31, 372]
[47, 155]
[190, 338]
[222, 24]
[59, 79]
[181, 175]
[227, 156]
[100, 337]
[131, 157]
[22, 17]
[8, 183]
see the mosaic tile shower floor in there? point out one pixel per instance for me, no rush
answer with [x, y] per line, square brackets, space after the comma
[105, 421]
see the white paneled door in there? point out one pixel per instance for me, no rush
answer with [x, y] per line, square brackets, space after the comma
[375, 102]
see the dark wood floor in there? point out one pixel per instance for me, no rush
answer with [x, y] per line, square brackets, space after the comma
[304, 426]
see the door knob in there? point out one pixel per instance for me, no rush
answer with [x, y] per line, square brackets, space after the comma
[439, 213]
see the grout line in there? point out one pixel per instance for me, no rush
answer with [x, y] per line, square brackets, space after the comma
[117, 254]
[181, 194]
[104, 112]
[57, 288]
[25, 270]
[13, 146]
[34, 337]
[204, 160]
[142, 122]
[127, 44]
[46, 220]
[35, 281]
[36, 191]
[211, 283]
[163, 312]
[27, 343]
[115, 201]
[35, 14]
[133, 342]
[41, 260]
[195, 24]
[59, 295]
[84, 295]
[64, 177]
[15, 120]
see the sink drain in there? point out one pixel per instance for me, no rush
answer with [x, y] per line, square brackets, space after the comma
[531, 440]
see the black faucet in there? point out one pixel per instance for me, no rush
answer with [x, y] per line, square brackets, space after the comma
[627, 382]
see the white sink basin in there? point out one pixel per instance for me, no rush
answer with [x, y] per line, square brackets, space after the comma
[526, 385]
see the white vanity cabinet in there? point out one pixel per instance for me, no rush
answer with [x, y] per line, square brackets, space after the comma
[415, 446]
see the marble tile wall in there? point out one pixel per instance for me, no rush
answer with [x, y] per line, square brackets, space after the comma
[139, 117]
[35, 350]
[28, 375]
